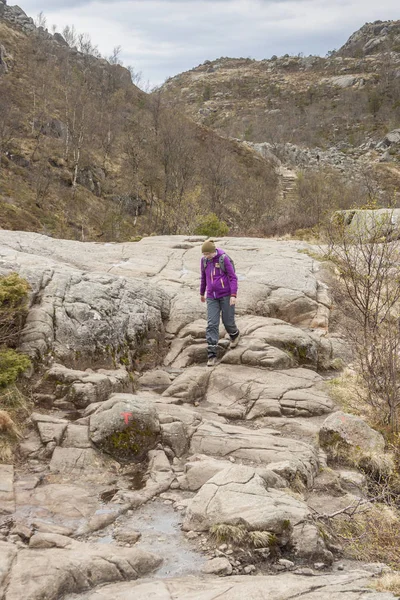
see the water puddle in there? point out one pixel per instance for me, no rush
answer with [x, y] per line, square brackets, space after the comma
[159, 525]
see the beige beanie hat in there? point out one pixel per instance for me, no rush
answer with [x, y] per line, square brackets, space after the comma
[208, 246]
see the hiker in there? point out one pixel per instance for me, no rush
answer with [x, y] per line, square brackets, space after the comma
[218, 277]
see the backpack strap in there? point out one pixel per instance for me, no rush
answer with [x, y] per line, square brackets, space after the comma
[222, 262]
[204, 263]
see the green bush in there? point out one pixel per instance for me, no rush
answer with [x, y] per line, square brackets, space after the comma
[12, 363]
[211, 226]
[13, 307]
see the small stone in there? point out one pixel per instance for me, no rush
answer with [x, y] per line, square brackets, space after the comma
[217, 566]
[249, 569]
[319, 566]
[304, 571]
[174, 485]
[223, 547]
[219, 553]
[191, 535]
[230, 551]
[288, 564]
[231, 458]
[278, 568]
[340, 567]
[168, 502]
[128, 537]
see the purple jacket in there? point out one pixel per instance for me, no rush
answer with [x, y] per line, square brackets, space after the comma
[215, 280]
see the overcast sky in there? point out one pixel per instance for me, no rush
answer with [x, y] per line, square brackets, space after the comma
[162, 38]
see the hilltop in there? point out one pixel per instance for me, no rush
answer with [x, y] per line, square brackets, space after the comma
[346, 97]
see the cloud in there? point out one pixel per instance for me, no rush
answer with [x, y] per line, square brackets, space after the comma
[162, 37]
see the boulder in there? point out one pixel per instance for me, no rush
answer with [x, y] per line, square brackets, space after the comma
[125, 426]
[284, 456]
[349, 438]
[238, 495]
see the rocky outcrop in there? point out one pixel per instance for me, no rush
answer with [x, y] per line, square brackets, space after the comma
[233, 446]
[371, 38]
[365, 225]
[238, 495]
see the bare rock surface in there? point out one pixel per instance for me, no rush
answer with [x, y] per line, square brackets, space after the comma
[51, 573]
[284, 456]
[117, 453]
[239, 495]
[346, 586]
[86, 296]
[7, 499]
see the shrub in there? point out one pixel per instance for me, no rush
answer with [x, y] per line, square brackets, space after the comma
[13, 307]
[371, 535]
[12, 363]
[211, 226]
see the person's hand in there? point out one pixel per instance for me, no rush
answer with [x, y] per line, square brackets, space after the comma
[203, 298]
[233, 301]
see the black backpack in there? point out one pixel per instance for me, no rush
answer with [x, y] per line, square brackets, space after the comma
[221, 262]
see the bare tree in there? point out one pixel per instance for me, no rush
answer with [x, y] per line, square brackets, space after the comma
[70, 36]
[368, 261]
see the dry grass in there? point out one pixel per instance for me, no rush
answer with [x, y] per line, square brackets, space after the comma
[390, 582]
[347, 392]
[14, 410]
[372, 535]
[238, 535]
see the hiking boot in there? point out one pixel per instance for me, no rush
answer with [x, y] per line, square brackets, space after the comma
[212, 361]
[234, 342]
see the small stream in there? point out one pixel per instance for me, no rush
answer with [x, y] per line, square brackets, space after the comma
[159, 525]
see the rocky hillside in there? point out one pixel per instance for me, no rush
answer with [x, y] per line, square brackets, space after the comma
[85, 154]
[204, 480]
[342, 105]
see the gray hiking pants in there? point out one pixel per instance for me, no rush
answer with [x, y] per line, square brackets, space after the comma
[216, 306]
